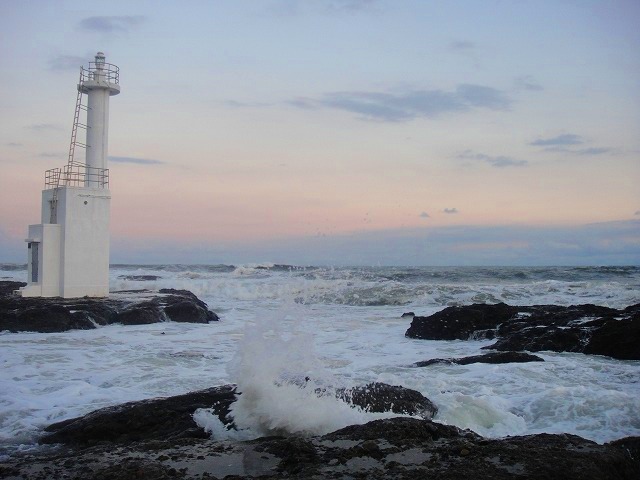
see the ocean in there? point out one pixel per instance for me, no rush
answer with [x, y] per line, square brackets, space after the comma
[339, 327]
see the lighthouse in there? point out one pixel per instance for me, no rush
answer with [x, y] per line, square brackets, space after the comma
[68, 252]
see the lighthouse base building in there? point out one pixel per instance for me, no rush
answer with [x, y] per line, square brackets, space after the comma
[70, 258]
[68, 252]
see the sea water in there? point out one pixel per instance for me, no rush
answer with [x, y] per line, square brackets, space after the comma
[286, 333]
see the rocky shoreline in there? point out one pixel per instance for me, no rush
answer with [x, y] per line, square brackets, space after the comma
[172, 417]
[127, 307]
[589, 329]
[158, 439]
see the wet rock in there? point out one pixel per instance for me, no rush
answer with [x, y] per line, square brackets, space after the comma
[617, 338]
[172, 417]
[588, 329]
[295, 453]
[431, 450]
[184, 306]
[381, 397]
[493, 358]
[135, 307]
[604, 332]
[552, 338]
[631, 445]
[459, 323]
[401, 431]
[142, 313]
[137, 469]
[7, 287]
[140, 278]
[154, 419]
[44, 318]
[396, 448]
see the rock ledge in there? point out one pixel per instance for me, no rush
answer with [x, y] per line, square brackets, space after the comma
[131, 307]
[587, 328]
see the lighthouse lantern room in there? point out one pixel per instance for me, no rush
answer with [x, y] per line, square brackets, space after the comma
[68, 252]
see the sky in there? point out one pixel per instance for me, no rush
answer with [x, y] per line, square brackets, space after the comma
[342, 132]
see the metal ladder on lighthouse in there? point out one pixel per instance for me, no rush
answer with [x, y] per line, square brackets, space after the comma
[67, 171]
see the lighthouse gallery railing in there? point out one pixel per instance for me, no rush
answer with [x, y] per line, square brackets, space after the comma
[100, 71]
[76, 176]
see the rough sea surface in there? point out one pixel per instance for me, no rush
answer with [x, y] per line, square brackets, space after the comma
[339, 327]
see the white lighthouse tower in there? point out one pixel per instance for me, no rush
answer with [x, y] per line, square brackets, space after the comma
[68, 253]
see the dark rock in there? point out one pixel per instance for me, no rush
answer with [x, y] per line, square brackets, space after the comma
[140, 278]
[44, 318]
[97, 311]
[184, 311]
[7, 287]
[617, 338]
[180, 293]
[400, 431]
[294, 452]
[154, 419]
[136, 469]
[142, 313]
[588, 329]
[536, 339]
[171, 417]
[592, 330]
[396, 448]
[631, 445]
[494, 358]
[454, 453]
[408, 314]
[184, 306]
[136, 307]
[381, 397]
[459, 323]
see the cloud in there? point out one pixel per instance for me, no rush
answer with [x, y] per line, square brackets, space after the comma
[13, 144]
[450, 210]
[137, 161]
[237, 104]
[560, 140]
[51, 155]
[527, 82]
[112, 24]
[465, 49]
[563, 144]
[424, 215]
[593, 151]
[288, 8]
[66, 62]
[43, 127]
[350, 5]
[499, 161]
[481, 96]
[301, 102]
[462, 45]
[637, 212]
[412, 104]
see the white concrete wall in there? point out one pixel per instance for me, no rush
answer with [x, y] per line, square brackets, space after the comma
[45, 215]
[83, 214]
[74, 253]
[98, 129]
[48, 238]
[50, 259]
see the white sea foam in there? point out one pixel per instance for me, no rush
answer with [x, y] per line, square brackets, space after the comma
[376, 287]
[283, 386]
[339, 327]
